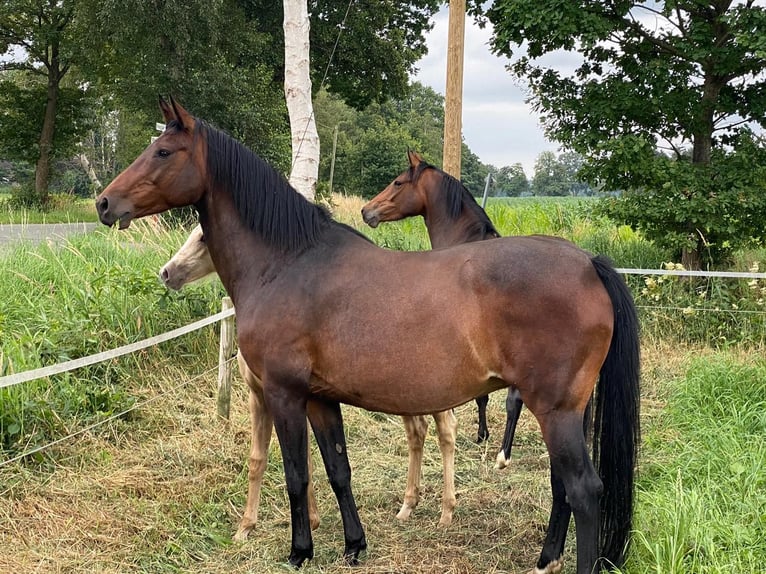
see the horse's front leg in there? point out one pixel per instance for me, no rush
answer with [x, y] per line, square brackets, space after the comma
[261, 425]
[481, 410]
[446, 428]
[288, 407]
[327, 423]
[416, 428]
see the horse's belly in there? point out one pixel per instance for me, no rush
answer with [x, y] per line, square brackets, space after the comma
[410, 393]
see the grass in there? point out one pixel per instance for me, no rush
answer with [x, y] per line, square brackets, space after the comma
[160, 490]
[63, 209]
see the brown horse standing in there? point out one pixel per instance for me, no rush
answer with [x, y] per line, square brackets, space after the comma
[452, 217]
[191, 262]
[325, 316]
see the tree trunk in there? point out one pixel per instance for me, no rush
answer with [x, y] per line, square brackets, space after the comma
[91, 173]
[691, 258]
[43, 168]
[303, 131]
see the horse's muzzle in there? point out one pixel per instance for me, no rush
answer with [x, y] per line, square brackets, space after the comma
[370, 218]
[108, 216]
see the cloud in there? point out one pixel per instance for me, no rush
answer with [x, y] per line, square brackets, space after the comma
[498, 125]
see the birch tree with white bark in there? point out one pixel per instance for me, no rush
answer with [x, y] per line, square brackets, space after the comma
[303, 131]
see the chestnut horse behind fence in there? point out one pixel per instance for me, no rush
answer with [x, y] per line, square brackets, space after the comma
[324, 316]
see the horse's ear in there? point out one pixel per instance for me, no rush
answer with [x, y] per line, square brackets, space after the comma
[185, 119]
[167, 110]
[414, 158]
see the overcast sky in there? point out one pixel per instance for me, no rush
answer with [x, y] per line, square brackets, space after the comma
[497, 125]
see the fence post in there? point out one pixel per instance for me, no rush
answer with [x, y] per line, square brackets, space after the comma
[225, 352]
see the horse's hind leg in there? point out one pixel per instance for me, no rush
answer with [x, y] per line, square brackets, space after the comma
[513, 406]
[327, 422]
[416, 428]
[481, 410]
[576, 488]
[446, 428]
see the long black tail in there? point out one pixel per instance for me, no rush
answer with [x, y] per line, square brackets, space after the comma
[616, 423]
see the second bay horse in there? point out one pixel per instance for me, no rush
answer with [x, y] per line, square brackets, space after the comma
[452, 217]
[324, 316]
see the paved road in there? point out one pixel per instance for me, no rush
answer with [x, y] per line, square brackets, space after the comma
[40, 231]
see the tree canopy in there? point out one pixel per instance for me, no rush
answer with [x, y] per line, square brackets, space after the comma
[663, 100]
[225, 59]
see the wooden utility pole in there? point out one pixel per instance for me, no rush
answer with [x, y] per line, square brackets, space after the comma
[453, 107]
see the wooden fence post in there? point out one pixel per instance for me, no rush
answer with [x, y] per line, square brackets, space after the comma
[225, 352]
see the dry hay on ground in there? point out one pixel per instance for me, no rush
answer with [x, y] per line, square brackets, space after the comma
[163, 493]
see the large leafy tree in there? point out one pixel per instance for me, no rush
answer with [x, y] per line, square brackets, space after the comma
[370, 60]
[661, 105]
[35, 39]
[206, 54]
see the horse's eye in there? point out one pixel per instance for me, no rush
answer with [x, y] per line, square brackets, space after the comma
[398, 183]
[163, 152]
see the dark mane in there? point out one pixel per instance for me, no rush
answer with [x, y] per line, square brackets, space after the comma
[457, 198]
[266, 202]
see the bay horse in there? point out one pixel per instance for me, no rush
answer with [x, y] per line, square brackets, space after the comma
[325, 316]
[452, 217]
[193, 262]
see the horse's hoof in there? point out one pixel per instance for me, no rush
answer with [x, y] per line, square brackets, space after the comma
[553, 567]
[243, 532]
[352, 551]
[501, 462]
[404, 513]
[445, 521]
[297, 558]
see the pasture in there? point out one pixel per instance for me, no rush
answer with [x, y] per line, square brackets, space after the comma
[161, 488]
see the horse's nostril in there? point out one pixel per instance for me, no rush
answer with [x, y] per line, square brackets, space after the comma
[102, 205]
[164, 275]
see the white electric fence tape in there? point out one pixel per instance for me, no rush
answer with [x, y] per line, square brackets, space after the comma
[10, 380]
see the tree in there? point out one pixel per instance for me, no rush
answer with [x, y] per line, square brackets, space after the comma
[549, 178]
[510, 181]
[473, 173]
[379, 156]
[684, 78]
[303, 129]
[35, 36]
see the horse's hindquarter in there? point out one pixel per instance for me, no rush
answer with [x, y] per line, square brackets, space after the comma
[413, 333]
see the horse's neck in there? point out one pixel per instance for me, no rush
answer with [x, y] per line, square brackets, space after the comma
[443, 231]
[241, 258]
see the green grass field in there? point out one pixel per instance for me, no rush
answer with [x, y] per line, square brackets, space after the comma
[63, 209]
[161, 488]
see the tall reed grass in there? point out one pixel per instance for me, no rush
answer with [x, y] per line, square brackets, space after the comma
[91, 293]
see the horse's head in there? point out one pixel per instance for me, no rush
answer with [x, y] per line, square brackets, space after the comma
[169, 173]
[404, 197]
[190, 263]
